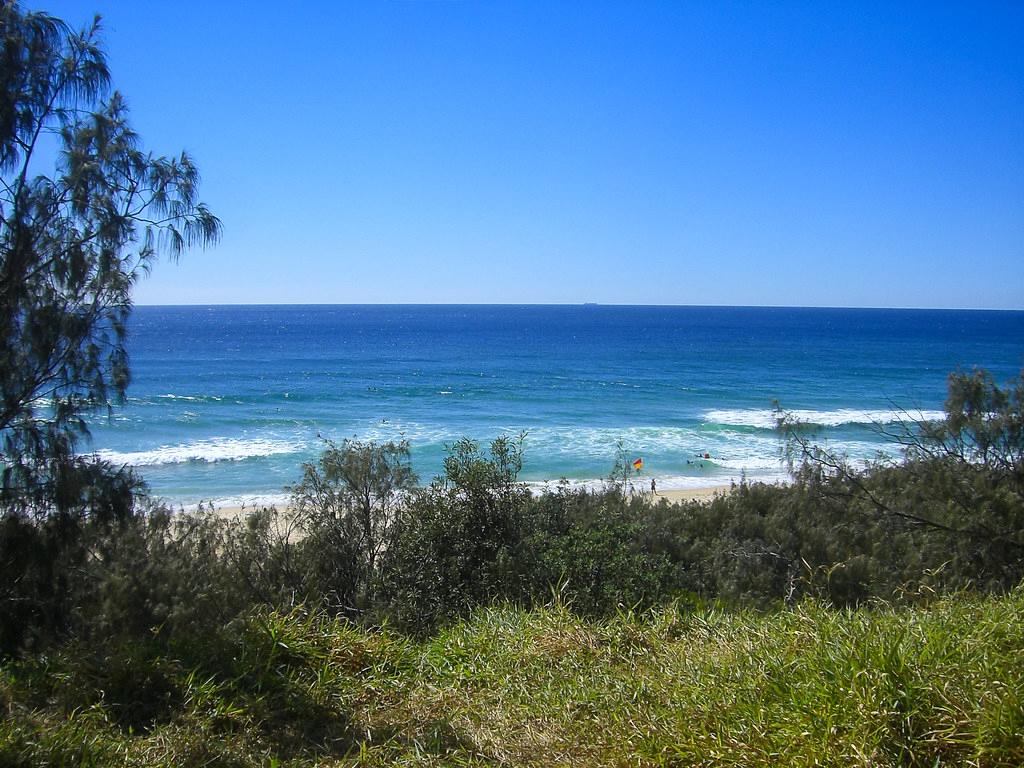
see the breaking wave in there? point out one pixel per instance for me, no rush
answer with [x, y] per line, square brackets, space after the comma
[203, 451]
[766, 418]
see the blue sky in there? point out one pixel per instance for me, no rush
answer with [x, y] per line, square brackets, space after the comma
[775, 153]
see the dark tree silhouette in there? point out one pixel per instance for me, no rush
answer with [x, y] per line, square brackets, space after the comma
[84, 211]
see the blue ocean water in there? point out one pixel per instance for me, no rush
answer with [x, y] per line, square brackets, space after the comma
[227, 402]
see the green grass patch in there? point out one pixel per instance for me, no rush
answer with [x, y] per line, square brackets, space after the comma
[811, 685]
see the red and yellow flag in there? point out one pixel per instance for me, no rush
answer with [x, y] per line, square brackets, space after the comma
[638, 464]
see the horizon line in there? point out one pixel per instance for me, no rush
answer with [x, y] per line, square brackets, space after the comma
[574, 304]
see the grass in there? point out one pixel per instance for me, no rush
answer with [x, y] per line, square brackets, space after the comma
[935, 686]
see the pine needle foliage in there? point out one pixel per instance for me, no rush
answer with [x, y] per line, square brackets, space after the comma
[84, 212]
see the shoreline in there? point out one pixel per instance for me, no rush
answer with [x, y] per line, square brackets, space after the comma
[672, 495]
[705, 493]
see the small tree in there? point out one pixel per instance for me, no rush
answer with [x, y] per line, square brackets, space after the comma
[347, 502]
[984, 426]
[961, 480]
[73, 242]
[622, 475]
[459, 543]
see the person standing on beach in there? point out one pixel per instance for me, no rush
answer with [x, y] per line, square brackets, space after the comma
[654, 488]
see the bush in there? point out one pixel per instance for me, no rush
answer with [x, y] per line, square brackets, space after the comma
[459, 543]
[592, 547]
[346, 505]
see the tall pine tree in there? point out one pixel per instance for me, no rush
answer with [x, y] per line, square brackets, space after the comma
[84, 211]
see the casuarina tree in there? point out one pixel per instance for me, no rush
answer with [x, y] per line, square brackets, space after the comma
[84, 211]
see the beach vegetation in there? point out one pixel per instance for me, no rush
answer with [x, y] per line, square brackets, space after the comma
[957, 483]
[84, 212]
[808, 685]
[346, 506]
[362, 542]
[460, 542]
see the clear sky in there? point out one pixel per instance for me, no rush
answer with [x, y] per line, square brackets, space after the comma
[766, 153]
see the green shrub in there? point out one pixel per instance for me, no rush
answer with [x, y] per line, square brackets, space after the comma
[459, 543]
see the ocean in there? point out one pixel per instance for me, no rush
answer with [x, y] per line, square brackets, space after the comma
[227, 402]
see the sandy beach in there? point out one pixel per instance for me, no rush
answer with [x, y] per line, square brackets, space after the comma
[693, 494]
[672, 495]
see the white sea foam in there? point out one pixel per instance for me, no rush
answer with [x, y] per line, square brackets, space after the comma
[750, 464]
[766, 419]
[586, 442]
[685, 442]
[205, 451]
[415, 433]
[598, 442]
